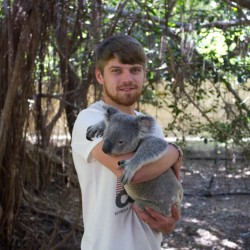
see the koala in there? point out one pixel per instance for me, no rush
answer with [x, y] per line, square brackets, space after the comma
[122, 134]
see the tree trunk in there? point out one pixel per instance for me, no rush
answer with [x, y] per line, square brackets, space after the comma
[22, 35]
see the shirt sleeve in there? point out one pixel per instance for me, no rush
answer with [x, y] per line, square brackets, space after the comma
[80, 144]
[159, 131]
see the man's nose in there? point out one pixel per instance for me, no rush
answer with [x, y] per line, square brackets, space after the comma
[127, 76]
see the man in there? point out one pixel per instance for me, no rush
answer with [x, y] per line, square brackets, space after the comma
[111, 222]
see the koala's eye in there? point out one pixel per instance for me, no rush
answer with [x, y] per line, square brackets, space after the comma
[120, 142]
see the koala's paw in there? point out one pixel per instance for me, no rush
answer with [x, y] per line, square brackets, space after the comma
[128, 172]
[94, 131]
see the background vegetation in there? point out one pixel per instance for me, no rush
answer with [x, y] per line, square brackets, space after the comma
[198, 71]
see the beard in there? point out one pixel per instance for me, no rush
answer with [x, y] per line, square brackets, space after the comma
[125, 99]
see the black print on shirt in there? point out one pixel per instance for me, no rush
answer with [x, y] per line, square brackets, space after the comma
[122, 199]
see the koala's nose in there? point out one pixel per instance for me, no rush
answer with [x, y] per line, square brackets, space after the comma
[107, 146]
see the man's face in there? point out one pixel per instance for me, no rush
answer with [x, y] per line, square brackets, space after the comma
[122, 83]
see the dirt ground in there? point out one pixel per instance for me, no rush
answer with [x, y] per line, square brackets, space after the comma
[215, 212]
[216, 207]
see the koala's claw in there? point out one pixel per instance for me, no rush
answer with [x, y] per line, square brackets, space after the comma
[127, 174]
[121, 164]
[125, 178]
[89, 138]
[92, 131]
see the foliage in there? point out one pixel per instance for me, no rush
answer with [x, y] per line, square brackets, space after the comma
[198, 69]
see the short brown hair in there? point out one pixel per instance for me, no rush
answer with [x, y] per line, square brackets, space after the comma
[123, 47]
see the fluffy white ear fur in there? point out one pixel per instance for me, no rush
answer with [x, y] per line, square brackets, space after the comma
[146, 124]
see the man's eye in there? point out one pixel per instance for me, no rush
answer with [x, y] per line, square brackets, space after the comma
[116, 71]
[135, 70]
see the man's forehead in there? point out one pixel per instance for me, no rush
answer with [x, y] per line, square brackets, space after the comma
[115, 63]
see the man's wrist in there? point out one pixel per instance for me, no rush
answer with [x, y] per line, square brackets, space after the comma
[180, 157]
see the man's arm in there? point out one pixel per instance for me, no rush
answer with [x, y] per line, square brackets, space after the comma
[172, 158]
[147, 172]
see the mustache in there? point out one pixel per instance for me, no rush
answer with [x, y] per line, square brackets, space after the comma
[129, 85]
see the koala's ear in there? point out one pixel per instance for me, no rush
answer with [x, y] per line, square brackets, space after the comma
[146, 123]
[110, 111]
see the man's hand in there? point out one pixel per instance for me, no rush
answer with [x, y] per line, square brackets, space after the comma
[157, 221]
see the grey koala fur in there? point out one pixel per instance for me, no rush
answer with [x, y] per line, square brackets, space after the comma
[122, 134]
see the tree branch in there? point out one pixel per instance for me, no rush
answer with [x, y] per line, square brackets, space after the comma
[239, 102]
[220, 24]
[242, 3]
[217, 24]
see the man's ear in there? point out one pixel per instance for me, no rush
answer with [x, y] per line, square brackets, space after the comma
[99, 77]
